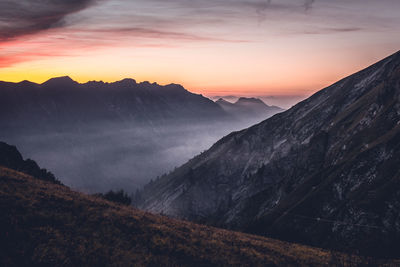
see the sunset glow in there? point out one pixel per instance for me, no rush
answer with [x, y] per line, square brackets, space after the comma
[279, 48]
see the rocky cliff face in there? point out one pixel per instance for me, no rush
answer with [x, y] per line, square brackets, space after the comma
[326, 172]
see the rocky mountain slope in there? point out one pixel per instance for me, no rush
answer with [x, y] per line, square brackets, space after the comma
[252, 110]
[47, 224]
[326, 172]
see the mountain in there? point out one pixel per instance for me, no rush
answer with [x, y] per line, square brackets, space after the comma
[48, 224]
[64, 100]
[281, 101]
[249, 109]
[325, 172]
[100, 136]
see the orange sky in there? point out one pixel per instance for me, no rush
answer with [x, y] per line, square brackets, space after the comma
[223, 47]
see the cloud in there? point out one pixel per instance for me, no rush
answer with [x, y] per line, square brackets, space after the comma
[8, 60]
[331, 30]
[77, 41]
[54, 25]
[22, 17]
[149, 33]
[308, 4]
[263, 6]
[25, 17]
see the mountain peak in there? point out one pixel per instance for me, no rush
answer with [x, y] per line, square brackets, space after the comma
[221, 100]
[26, 83]
[127, 81]
[249, 100]
[63, 80]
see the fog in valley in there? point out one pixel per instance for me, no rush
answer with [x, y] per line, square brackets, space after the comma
[98, 136]
[105, 156]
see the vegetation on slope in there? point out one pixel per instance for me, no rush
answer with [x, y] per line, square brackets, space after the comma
[11, 158]
[47, 224]
[119, 196]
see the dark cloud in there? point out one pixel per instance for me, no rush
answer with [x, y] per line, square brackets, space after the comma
[24, 17]
[149, 33]
[308, 4]
[261, 7]
[332, 30]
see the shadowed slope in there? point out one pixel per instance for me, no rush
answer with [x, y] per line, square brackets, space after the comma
[49, 225]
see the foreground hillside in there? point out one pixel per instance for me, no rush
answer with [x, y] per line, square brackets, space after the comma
[325, 173]
[47, 224]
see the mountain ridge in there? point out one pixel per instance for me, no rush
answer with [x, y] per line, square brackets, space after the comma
[249, 109]
[297, 162]
[63, 99]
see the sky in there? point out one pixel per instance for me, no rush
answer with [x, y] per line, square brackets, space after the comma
[280, 50]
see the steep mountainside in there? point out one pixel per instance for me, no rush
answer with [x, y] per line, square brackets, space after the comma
[252, 109]
[44, 224]
[326, 172]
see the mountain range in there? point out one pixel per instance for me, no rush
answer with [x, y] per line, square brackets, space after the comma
[62, 102]
[98, 136]
[325, 172]
[252, 110]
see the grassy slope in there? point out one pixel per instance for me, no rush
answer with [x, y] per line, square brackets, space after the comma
[48, 224]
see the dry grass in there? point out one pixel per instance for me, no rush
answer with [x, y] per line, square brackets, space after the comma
[50, 225]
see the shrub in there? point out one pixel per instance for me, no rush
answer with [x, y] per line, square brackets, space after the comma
[117, 196]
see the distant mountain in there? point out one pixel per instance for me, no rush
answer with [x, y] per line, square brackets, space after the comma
[326, 172]
[100, 136]
[282, 101]
[229, 98]
[45, 224]
[62, 103]
[253, 109]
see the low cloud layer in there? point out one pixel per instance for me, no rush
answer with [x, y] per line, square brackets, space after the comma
[114, 156]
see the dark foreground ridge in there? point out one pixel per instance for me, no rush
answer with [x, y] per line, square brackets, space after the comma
[11, 158]
[46, 224]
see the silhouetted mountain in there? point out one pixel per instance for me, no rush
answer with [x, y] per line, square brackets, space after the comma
[101, 136]
[326, 172]
[44, 224]
[253, 109]
[60, 82]
[62, 102]
[11, 158]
